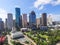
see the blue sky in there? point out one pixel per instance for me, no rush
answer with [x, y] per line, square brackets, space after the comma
[51, 7]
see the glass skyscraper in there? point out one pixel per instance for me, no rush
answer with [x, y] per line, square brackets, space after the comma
[32, 19]
[18, 17]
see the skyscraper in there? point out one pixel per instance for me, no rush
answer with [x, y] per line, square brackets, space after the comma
[44, 19]
[5, 24]
[1, 25]
[24, 20]
[18, 17]
[10, 21]
[43, 22]
[38, 22]
[49, 20]
[14, 23]
[32, 19]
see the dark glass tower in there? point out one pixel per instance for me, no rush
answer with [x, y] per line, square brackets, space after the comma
[32, 19]
[18, 17]
[44, 19]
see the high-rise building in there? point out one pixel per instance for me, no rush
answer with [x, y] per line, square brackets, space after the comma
[32, 19]
[49, 20]
[38, 22]
[5, 25]
[44, 19]
[20, 21]
[24, 20]
[10, 21]
[43, 22]
[14, 23]
[18, 17]
[1, 25]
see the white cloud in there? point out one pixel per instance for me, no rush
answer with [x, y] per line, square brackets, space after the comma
[39, 3]
[54, 3]
[3, 14]
[41, 7]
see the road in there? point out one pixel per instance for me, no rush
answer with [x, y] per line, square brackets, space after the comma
[30, 40]
[9, 40]
[58, 43]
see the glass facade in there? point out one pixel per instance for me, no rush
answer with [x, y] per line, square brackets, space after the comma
[32, 18]
[17, 16]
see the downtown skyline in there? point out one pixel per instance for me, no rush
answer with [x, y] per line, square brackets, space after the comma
[51, 7]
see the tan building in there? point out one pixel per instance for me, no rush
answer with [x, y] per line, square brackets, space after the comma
[24, 20]
[38, 22]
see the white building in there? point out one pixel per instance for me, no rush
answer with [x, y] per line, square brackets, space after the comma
[49, 20]
[10, 21]
[13, 29]
[24, 29]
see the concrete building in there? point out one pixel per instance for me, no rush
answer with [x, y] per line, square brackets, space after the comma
[49, 20]
[38, 22]
[1, 25]
[44, 19]
[21, 21]
[5, 25]
[10, 21]
[24, 20]
[14, 23]
[24, 29]
[43, 25]
[17, 35]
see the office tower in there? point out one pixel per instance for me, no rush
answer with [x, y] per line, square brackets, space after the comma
[5, 25]
[49, 20]
[21, 21]
[9, 21]
[1, 25]
[44, 19]
[32, 19]
[18, 17]
[38, 22]
[14, 23]
[0, 19]
[43, 22]
[24, 20]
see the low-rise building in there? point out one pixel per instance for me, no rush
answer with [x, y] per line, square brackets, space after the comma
[24, 29]
[16, 35]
